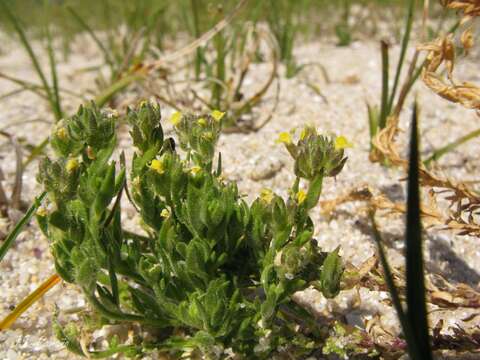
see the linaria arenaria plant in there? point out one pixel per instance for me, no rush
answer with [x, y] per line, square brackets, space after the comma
[211, 275]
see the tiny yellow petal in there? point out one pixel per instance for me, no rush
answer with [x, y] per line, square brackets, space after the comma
[266, 195]
[42, 212]
[202, 122]
[341, 142]
[61, 133]
[301, 196]
[284, 138]
[72, 165]
[157, 166]
[195, 170]
[165, 213]
[208, 135]
[217, 115]
[303, 134]
[176, 118]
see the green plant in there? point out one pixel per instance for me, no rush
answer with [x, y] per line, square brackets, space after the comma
[220, 77]
[214, 273]
[49, 89]
[413, 319]
[281, 17]
[377, 116]
[342, 29]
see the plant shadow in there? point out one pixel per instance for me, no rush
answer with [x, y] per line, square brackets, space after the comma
[456, 269]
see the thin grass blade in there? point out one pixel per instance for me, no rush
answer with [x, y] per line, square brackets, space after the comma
[403, 52]
[416, 298]
[53, 74]
[26, 44]
[385, 81]
[7, 244]
[94, 37]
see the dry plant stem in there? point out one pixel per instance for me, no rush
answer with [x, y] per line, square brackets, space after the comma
[29, 301]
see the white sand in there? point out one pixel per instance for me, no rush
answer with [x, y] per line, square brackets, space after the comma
[355, 79]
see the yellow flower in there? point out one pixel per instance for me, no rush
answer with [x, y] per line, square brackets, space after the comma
[195, 170]
[165, 213]
[42, 212]
[284, 138]
[266, 195]
[176, 118]
[72, 165]
[207, 135]
[61, 133]
[157, 165]
[341, 142]
[217, 115]
[202, 122]
[301, 196]
[112, 113]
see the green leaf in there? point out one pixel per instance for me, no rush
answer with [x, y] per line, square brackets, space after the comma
[416, 293]
[314, 192]
[331, 274]
[7, 244]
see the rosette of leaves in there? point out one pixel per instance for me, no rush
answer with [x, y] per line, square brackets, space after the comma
[213, 273]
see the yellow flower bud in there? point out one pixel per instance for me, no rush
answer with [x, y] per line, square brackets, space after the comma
[202, 122]
[61, 133]
[194, 170]
[266, 195]
[165, 213]
[157, 165]
[217, 115]
[208, 135]
[301, 196]
[341, 142]
[72, 165]
[284, 138]
[176, 118]
[42, 211]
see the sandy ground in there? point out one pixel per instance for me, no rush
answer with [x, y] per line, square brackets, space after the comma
[249, 159]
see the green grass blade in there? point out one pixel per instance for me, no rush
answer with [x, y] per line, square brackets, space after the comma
[36, 151]
[416, 298]
[372, 122]
[385, 81]
[105, 96]
[437, 154]
[403, 52]
[26, 44]
[7, 244]
[53, 72]
[94, 37]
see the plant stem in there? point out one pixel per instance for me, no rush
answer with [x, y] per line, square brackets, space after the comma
[384, 105]
[437, 154]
